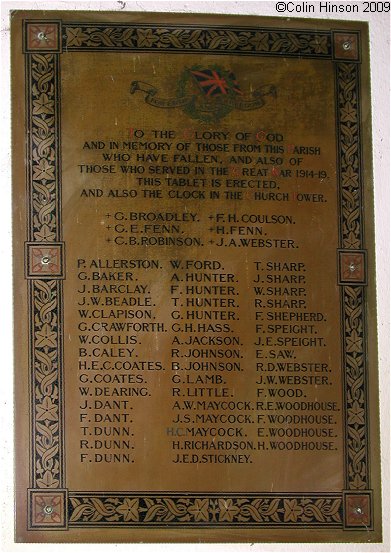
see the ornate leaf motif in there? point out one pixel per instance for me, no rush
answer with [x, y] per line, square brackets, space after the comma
[44, 299]
[353, 298]
[129, 509]
[356, 416]
[126, 510]
[43, 295]
[81, 36]
[43, 147]
[350, 172]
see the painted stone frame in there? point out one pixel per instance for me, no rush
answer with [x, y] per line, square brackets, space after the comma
[51, 506]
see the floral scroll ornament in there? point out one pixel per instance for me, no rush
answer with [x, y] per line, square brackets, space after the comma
[207, 94]
[200, 511]
[205, 39]
[111, 509]
[305, 510]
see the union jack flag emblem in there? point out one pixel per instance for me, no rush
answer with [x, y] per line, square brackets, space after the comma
[213, 82]
[207, 93]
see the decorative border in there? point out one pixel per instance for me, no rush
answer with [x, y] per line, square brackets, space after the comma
[262, 510]
[43, 43]
[190, 38]
[44, 269]
[352, 275]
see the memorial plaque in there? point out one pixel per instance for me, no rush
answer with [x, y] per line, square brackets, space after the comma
[194, 279]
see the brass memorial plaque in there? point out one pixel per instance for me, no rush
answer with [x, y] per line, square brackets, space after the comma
[194, 279]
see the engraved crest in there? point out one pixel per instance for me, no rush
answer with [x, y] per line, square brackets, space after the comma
[207, 94]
